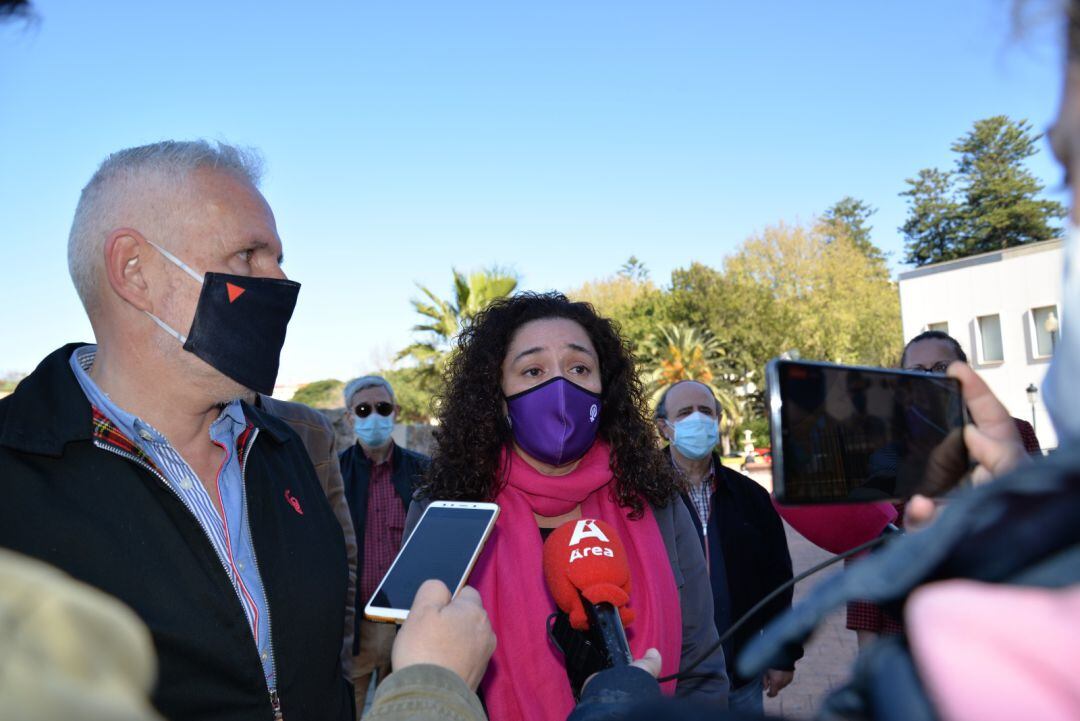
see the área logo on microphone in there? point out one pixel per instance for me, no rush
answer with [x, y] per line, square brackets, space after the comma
[587, 528]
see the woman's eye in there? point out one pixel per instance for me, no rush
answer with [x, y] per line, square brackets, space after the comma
[579, 370]
[533, 372]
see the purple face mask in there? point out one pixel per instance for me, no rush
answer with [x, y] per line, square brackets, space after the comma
[556, 421]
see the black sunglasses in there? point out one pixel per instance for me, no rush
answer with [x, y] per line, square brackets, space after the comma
[382, 408]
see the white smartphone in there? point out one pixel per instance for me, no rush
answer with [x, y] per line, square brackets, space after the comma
[444, 545]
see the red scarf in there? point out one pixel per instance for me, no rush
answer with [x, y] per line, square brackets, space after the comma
[527, 679]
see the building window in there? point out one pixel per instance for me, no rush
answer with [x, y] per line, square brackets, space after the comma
[942, 327]
[990, 350]
[1045, 332]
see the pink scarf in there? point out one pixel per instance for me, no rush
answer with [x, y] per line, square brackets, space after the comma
[527, 676]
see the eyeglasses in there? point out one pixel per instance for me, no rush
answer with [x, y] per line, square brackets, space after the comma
[382, 408]
[939, 367]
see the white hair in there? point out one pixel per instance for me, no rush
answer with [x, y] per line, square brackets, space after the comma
[142, 183]
[363, 383]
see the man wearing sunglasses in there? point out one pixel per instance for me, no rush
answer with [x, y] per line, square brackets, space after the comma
[379, 480]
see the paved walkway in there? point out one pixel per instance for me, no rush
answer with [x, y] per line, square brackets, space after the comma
[831, 651]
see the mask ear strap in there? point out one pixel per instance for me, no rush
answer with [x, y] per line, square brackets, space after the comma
[179, 263]
[178, 336]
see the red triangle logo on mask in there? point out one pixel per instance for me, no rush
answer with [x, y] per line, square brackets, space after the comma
[234, 291]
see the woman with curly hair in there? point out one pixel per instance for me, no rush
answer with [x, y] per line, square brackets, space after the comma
[543, 414]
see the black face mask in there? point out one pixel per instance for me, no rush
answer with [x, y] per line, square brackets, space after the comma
[239, 325]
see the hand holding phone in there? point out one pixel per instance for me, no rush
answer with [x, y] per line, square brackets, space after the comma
[848, 434]
[455, 634]
[991, 441]
[444, 546]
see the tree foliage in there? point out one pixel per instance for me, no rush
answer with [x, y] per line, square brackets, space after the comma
[320, 394]
[819, 295]
[850, 218]
[442, 319]
[630, 299]
[684, 353]
[988, 202]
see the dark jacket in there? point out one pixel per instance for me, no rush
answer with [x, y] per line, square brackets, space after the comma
[709, 682]
[318, 437]
[748, 535]
[408, 466]
[71, 499]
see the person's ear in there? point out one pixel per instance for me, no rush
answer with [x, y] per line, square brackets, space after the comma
[125, 263]
[661, 428]
[397, 411]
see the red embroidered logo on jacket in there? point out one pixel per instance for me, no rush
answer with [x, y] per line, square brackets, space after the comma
[293, 501]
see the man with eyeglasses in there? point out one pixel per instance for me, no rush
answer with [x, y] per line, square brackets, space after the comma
[379, 480]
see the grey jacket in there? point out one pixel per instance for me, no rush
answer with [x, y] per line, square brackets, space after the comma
[710, 682]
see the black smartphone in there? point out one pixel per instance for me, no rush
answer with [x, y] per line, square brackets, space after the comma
[851, 434]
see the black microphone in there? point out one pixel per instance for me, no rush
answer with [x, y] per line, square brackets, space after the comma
[606, 629]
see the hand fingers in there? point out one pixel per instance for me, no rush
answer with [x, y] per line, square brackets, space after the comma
[993, 455]
[986, 410]
[920, 510]
[432, 592]
[470, 595]
[650, 662]
[945, 466]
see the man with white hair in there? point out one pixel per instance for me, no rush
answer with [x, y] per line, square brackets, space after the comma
[379, 480]
[133, 466]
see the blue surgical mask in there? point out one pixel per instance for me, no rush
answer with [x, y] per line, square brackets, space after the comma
[374, 431]
[696, 436]
[1059, 388]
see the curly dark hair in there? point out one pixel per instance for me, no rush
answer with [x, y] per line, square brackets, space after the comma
[472, 430]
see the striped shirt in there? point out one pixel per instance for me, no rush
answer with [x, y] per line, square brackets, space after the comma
[230, 535]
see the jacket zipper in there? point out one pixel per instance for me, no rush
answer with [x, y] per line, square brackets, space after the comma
[275, 702]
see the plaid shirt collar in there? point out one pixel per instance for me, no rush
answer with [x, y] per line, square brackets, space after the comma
[119, 437]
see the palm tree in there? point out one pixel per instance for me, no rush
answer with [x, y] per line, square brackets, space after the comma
[442, 319]
[681, 353]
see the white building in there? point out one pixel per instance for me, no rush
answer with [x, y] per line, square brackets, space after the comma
[1005, 309]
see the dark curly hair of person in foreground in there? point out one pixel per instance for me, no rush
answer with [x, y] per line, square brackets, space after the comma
[472, 428]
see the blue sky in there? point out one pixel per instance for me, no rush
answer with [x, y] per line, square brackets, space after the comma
[557, 138]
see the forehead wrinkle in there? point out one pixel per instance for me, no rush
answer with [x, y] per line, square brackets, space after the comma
[580, 348]
[530, 351]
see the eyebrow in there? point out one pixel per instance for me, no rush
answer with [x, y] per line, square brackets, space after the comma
[524, 353]
[263, 245]
[700, 407]
[538, 349]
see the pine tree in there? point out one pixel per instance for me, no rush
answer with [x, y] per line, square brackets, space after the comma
[988, 203]
[849, 218]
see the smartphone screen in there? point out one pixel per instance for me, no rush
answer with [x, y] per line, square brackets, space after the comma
[444, 545]
[852, 434]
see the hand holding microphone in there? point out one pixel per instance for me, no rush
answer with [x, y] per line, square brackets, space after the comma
[586, 570]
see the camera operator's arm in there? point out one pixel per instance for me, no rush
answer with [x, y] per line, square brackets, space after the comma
[439, 657]
[991, 439]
